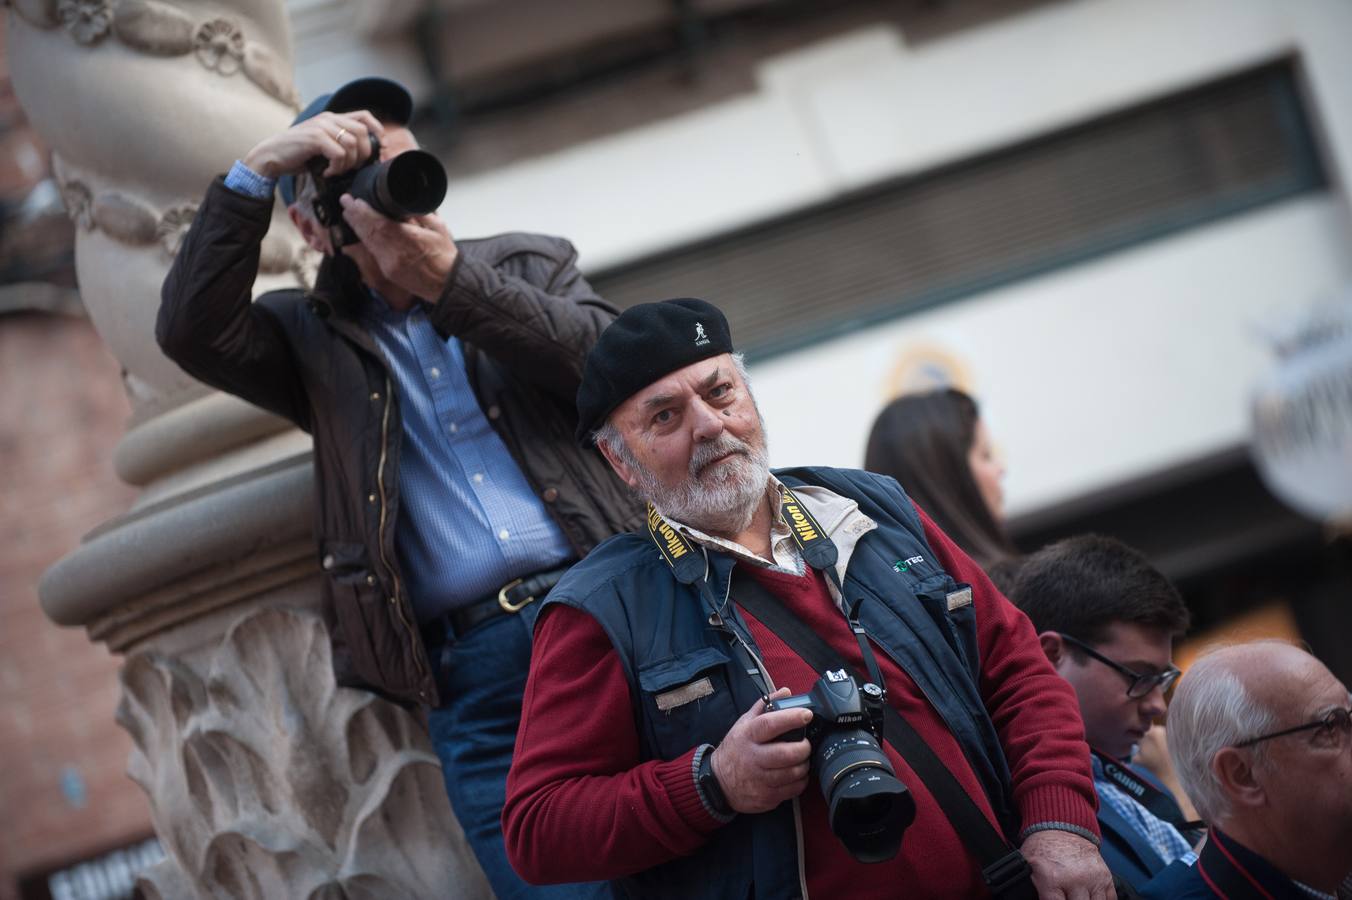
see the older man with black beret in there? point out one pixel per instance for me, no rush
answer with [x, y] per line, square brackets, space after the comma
[648, 753]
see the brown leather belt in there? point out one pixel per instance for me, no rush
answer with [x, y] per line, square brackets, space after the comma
[510, 599]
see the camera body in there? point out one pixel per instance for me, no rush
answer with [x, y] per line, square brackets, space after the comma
[411, 184]
[868, 806]
[836, 701]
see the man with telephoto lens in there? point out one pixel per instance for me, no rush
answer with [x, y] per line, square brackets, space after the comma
[674, 667]
[436, 377]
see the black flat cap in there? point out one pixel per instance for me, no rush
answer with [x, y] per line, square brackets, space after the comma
[644, 343]
[389, 101]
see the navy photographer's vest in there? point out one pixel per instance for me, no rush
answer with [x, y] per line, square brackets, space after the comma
[662, 635]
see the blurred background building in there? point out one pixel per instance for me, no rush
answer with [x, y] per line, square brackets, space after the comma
[1094, 215]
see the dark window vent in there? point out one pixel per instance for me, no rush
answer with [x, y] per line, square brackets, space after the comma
[1129, 177]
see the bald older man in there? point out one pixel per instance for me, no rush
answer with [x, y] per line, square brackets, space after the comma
[1261, 738]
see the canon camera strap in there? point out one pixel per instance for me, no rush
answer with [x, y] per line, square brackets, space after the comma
[1155, 801]
[1003, 867]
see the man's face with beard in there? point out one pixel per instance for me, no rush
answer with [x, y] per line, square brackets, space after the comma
[692, 444]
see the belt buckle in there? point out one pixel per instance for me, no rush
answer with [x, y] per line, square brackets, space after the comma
[507, 605]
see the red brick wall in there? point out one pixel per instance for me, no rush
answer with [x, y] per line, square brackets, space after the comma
[62, 411]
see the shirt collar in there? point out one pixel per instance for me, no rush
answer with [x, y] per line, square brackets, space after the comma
[840, 518]
[381, 311]
[785, 551]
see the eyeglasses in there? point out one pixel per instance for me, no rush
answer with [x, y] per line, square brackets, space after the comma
[1138, 684]
[1335, 722]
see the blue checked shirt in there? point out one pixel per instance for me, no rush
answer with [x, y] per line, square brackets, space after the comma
[469, 521]
[243, 180]
[1162, 836]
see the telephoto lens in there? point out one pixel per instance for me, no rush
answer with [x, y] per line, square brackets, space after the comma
[410, 184]
[868, 807]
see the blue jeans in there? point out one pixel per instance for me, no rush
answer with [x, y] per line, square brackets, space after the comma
[483, 678]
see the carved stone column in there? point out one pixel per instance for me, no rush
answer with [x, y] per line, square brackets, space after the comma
[264, 779]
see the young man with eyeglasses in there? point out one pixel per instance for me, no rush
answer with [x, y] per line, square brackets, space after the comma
[1261, 738]
[1107, 620]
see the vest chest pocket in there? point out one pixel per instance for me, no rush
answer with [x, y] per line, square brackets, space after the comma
[687, 701]
[950, 605]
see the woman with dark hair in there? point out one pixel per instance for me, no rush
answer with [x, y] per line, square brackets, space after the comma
[937, 447]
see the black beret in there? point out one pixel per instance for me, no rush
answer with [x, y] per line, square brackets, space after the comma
[644, 343]
[389, 101]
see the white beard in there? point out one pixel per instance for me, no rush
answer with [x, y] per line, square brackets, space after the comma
[722, 502]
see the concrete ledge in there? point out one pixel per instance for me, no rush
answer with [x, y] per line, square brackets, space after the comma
[222, 527]
[196, 431]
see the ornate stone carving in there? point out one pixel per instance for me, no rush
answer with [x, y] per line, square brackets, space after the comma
[128, 220]
[41, 13]
[264, 780]
[264, 69]
[160, 29]
[135, 222]
[153, 27]
[79, 203]
[269, 781]
[86, 20]
[219, 45]
[174, 224]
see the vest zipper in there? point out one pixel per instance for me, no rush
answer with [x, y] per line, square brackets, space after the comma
[396, 599]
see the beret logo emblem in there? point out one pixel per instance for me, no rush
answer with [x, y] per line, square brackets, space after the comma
[700, 337]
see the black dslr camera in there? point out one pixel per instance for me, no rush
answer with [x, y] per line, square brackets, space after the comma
[410, 184]
[868, 807]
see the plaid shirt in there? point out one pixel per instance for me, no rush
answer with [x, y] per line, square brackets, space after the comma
[1162, 836]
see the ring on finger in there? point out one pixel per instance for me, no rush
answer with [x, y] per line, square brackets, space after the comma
[339, 136]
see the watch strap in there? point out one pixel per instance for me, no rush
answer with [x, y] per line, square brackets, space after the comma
[707, 786]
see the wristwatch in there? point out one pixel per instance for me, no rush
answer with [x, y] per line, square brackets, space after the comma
[706, 782]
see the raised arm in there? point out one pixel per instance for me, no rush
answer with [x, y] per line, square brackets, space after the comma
[517, 297]
[207, 323]
[524, 302]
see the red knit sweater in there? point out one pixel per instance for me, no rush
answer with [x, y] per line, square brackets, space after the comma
[581, 806]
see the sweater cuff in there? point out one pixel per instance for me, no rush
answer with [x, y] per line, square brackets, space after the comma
[678, 779]
[1058, 808]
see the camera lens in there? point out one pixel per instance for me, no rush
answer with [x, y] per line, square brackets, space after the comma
[867, 810]
[411, 184]
[868, 807]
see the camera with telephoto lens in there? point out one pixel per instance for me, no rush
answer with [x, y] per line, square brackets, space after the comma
[867, 805]
[410, 184]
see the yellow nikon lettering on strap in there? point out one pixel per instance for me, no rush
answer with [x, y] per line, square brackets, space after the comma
[801, 523]
[671, 540]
